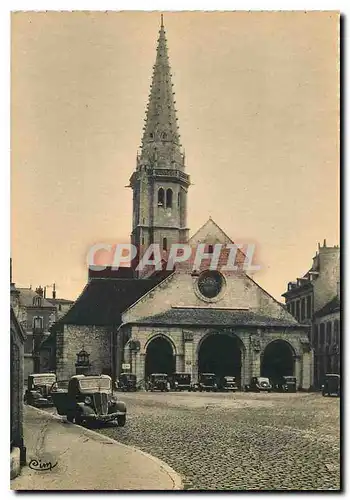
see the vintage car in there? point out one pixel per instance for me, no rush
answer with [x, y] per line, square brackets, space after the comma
[180, 382]
[228, 383]
[207, 382]
[38, 389]
[88, 399]
[287, 383]
[158, 382]
[331, 385]
[127, 382]
[259, 384]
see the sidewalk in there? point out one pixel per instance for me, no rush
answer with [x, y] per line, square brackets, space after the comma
[86, 460]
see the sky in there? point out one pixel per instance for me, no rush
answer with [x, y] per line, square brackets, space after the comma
[258, 109]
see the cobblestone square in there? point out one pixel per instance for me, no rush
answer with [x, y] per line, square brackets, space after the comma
[242, 441]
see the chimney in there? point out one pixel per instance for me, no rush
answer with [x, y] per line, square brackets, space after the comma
[39, 291]
[324, 243]
[44, 292]
[54, 291]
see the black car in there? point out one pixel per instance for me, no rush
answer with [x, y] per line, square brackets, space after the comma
[331, 385]
[287, 383]
[228, 384]
[259, 384]
[158, 382]
[180, 382]
[127, 382]
[207, 382]
[38, 389]
[88, 399]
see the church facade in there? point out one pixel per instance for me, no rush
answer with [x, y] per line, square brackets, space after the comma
[185, 319]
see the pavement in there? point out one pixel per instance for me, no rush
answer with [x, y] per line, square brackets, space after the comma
[242, 441]
[64, 456]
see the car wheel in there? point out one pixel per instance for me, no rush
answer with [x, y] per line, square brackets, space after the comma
[121, 420]
[70, 418]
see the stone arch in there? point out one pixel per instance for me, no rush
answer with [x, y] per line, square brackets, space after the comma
[278, 359]
[222, 353]
[160, 355]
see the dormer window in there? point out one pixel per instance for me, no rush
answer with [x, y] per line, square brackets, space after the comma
[164, 136]
[37, 301]
[210, 248]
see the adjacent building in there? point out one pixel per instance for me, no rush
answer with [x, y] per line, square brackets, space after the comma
[36, 314]
[17, 340]
[200, 320]
[314, 299]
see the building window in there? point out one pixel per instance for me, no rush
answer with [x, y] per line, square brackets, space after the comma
[165, 244]
[169, 198]
[210, 284]
[164, 136]
[160, 197]
[297, 309]
[308, 307]
[210, 248]
[315, 339]
[322, 334]
[37, 301]
[302, 308]
[151, 135]
[336, 332]
[329, 332]
[38, 322]
[292, 308]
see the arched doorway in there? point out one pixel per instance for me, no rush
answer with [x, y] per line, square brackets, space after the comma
[277, 360]
[221, 354]
[159, 357]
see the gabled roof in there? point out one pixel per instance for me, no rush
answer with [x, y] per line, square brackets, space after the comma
[102, 302]
[212, 229]
[331, 307]
[214, 317]
[26, 296]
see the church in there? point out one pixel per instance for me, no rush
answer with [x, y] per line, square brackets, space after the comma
[183, 320]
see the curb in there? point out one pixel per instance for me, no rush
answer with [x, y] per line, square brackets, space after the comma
[174, 476]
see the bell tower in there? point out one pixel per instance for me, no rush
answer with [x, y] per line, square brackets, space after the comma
[159, 182]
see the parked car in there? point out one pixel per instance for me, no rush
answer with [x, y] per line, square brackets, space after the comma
[207, 382]
[228, 383]
[259, 384]
[127, 382]
[88, 399]
[287, 383]
[331, 385]
[158, 382]
[38, 389]
[180, 381]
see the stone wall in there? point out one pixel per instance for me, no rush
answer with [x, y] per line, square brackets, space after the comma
[179, 290]
[326, 285]
[73, 338]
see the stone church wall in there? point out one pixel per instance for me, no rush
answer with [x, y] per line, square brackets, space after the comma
[95, 340]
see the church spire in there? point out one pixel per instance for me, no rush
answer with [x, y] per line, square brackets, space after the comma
[161, 140]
